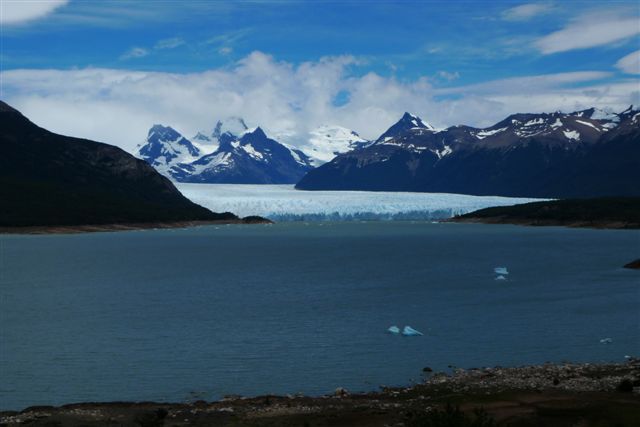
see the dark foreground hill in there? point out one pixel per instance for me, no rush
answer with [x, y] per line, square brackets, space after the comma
[53, 180]
[606, 212]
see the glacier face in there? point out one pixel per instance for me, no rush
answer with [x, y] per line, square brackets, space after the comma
[284, 203]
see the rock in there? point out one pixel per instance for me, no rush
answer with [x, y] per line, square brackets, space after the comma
[341, 392]
[633, 264]
[625, 386]
[427, 369]
[254, 219]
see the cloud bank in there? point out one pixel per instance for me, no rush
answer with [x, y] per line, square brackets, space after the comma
[287, 100]
[527, 11]
[630, 64]
[590, 30]
[20, 11]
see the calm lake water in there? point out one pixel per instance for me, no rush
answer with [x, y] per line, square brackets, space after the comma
[178, 315]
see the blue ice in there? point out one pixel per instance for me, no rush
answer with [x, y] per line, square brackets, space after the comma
[501, 270]
[408, 331]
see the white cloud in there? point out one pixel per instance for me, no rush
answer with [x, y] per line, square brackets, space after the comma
[171, 43]
[225, 50]
[134, 52]
[287, 100]
[527, 11]
[630, 64]
[590, 30]
[448, 76]
[20, 11]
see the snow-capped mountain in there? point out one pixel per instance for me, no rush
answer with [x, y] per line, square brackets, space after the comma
[165, 147]
[230, 127]
[408, 123]
[247, 156]
[585, 153]
[326, 142]
[248, 159]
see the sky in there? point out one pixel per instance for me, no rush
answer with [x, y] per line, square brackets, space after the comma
[109, 70]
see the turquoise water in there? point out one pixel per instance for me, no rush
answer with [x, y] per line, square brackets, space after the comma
[177, 315]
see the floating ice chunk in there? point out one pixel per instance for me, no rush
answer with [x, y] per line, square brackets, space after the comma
[501, 277]
[408, 331]
[393, 330]
[606, 341]
[501, 271]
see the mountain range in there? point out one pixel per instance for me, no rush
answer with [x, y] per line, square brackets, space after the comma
[48, 179]
[586, 153]
[235, 153]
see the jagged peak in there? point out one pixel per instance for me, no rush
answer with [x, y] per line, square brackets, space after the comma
[415, 121]
[233, 125]
[407, 123]
[162, 131]
[201, 136]
[256, 132]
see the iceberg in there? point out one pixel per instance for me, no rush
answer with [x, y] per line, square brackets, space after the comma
[606, 341]
[501, 271]
[393, 330]
[501, 278]
[284, 203]
[408, 331]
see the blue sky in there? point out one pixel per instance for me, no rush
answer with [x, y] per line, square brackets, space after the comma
[455, 62]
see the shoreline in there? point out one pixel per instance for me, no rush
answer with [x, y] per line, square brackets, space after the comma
[134, 226]
[596, 225]
[526, 395]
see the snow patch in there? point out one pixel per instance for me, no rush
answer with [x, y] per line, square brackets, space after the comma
[606, 114]
[572, 134]
[588, 124]
[252, 151]
[444, 152]
[534, 122]
[485, 133]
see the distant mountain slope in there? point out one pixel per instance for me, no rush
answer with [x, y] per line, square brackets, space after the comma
[583, 154]
[48, 179]
[165, 147]
[326, 142]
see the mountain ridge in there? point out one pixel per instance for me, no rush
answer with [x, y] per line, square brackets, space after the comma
[526, 155]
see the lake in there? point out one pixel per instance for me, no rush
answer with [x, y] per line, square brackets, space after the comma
[187, 314]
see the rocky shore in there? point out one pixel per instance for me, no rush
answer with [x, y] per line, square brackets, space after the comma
[549, 394]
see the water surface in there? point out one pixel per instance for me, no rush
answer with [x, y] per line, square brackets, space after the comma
[174, 315]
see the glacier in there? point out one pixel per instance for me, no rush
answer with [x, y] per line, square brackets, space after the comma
[284, 203]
